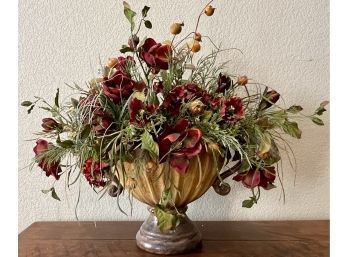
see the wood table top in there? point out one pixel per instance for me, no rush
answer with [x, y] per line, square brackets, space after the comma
[220, 238]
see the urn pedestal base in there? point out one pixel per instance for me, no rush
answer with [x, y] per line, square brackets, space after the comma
[185, 238]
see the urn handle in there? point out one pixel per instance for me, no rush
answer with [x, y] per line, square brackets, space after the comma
[221, 187]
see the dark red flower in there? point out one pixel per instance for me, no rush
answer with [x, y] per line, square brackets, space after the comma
[224, 83]
[158, 87]
[270, 98]
[178, 144]
[49, 124]
[123, 62]
[257, 177]
[94, 172]
[184, 93]
[155, 55]
[232, 109]
[139, 112]
[101, 121]
[52, 168]
[118, 87]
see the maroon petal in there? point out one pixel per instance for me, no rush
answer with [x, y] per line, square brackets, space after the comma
[190, 152]
[251, 179]
[41, 146]
[192, 138]
[181, 125]
[179, 164]
[149, 42]
[173, 137]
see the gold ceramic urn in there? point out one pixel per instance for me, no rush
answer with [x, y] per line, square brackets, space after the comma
[148, 181]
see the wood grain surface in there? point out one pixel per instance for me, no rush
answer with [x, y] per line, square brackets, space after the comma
[220, 238]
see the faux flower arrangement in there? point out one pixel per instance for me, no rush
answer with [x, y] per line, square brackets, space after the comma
[157, 104]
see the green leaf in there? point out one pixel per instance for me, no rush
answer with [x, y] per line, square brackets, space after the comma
[324, 103]
[147, 143]
[317, 121]
[165, 221]
[126, 49]
[129, 14]
[148, 24]
[66, 143]
[74, 102]
[265, 144]
[56, 99]
[30, 109]
[165, 198]
[54, 194]
[46, 191]
[270, 186]
[295, 109]
[291, 128]
[85, 132]
[321, 109]
[144, 11]
[26, 103]
[248, 203]
[244, 166]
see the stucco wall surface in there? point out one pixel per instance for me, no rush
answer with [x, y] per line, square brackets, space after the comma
[285, 45]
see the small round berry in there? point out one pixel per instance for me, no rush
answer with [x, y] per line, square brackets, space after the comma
[112, 62]
[176, 28]
[243, 80]
[196, 47]
[209, 10]
[197, 37]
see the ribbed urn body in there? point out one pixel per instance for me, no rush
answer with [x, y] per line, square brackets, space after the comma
[147, 185]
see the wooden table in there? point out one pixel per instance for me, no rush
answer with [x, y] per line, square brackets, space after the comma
[224, 238]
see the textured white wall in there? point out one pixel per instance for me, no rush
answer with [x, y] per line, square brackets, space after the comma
[285, 45]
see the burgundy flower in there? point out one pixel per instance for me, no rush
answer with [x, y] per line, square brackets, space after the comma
[173, 101]
[49, 124]
[52, 168]
[94, 172]
[272, 97]
[123, 62]
[101, 121]
[232, 109]
[255, 177]
[158, 87]
[139, 111]
[118, 87]
[178, 144]
[224, 83]
[213, 102]
[155, 55]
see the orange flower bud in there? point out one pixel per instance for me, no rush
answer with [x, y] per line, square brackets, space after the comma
[243, 80]
[209, 10]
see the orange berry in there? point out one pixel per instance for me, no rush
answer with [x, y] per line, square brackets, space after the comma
[175, 28]
[243, 80]
[209, 10]
[196, 47]
[197, 37]
[111, 62]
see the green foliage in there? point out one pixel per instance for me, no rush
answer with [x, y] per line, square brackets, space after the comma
[148, 24]
[53, 193]
[144, 11]
[147, 143]
[291, 128]
[321, 109]
[165, 220]
[295, 109]
[26, 103]
[317, 121]
[129, 13]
